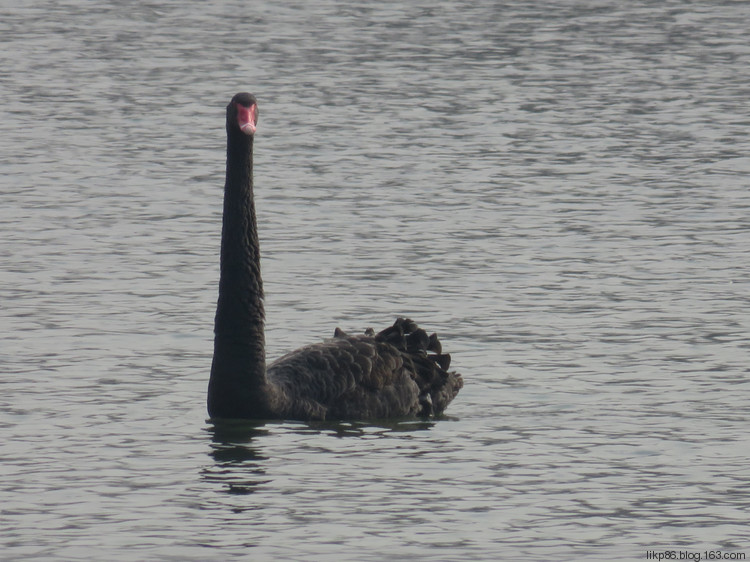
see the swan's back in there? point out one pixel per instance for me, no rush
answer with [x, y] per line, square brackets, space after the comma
[398, 372]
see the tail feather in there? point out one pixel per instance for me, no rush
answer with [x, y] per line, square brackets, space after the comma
[443, 359]
[434, 344]
[418, 341]
[437, 386]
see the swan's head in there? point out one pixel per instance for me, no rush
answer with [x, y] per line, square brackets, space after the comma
[242, 113]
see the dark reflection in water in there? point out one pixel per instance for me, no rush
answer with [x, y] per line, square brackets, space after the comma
[238, 466]
[236, 451]
[244, 431]
[359, 429]
[235, 431]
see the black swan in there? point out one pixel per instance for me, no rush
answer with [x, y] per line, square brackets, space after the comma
[398, 372]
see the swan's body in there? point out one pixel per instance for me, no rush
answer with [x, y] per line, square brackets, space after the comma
[398, 372]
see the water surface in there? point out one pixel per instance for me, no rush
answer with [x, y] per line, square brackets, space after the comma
[558, 189]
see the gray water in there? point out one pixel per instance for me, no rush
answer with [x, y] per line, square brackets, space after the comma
[559, 189]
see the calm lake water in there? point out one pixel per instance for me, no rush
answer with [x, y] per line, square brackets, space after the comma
[559, 189]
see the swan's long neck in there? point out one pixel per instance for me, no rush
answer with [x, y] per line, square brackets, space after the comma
[238, 385]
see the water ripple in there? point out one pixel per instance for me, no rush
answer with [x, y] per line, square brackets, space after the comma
[558, 190]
